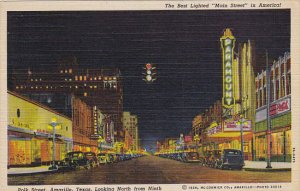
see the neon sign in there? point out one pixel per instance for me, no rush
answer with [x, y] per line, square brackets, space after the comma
[227, 42]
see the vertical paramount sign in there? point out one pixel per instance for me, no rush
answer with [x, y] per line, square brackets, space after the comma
[227, 44]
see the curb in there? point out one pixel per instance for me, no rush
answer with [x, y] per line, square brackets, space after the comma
[267, 170]
[32, 173]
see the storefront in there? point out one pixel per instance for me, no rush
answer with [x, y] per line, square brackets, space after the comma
[30, 141]
[280, 132]
[229, 137]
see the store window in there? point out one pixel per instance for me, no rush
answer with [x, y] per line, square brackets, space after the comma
[260, 148]
[288, 146]
[277, 147]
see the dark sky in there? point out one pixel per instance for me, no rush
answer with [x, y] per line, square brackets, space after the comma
[184, 46]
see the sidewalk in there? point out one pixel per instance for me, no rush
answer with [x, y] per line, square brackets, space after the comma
[261, 166]
[28, 170]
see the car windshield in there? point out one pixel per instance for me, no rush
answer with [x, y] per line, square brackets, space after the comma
[232, 152]
[193, 154]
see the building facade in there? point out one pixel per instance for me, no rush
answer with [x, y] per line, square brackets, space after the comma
[30, 133]
[56, 86]
[130, 123]
[222, 122]
[280, 111]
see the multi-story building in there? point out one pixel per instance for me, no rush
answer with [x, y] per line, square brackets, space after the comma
[222, 122]
[30, 133]
[280, 111]
[130, 123]
[82, 127]
[56, 86]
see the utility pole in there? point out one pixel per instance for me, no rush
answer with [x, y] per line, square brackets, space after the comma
[268, 113]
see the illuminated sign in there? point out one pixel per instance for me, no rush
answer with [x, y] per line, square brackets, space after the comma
[227, 43]
[235, 126]
[280, 107]
[214, 130]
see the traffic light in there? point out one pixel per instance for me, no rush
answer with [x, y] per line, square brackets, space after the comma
[150, 75]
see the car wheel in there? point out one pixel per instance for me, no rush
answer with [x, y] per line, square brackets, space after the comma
[88, 166]
[216, 164]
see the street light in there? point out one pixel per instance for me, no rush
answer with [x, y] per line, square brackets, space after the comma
[268, 114]
[100, 141]
[53, 124]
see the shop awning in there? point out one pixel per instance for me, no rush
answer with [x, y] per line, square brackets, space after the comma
[228, 134]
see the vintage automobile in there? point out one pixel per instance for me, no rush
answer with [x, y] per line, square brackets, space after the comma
[93, 160]
[103, 158]
[77, 159]
[112, 158]
[191, 157]
[231, 159]
[207, 158]
[215, 158]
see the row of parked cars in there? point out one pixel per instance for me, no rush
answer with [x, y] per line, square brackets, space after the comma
[227, 158]
[77, 159]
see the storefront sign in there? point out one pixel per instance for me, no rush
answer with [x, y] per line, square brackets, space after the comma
[280, 107]
[95, 113]
[227, 43]
[276, 108]
[214, 130]
[235, 126]
[261, 115]
[188, 139]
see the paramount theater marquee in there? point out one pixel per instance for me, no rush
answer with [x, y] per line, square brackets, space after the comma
[227, 44]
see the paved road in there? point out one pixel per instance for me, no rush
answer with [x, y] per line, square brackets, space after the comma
[150, 170]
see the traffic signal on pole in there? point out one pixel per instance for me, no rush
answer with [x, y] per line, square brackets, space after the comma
[150, 75]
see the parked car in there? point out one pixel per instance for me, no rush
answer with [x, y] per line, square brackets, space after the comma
[231, 159]
[76, 160]
[112, 157]
[215, 158]
[191, 157]
[91, 156]
[103, 158]
[207, 158]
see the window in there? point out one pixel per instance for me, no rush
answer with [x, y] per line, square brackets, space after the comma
[260, 98]
[70, 70]
[272, 87]
[84, 78]
[80, 78]
[277, 93]
[18, 113]
[288, 77]
[76, 78]
[85, 94]
[277, 77]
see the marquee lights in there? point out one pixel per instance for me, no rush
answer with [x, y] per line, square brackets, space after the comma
[227, 43]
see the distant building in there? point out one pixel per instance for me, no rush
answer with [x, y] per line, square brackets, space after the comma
[130, 123]
[56, 86]
[30, 133]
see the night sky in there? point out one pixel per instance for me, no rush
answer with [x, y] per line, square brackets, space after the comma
[183, 45]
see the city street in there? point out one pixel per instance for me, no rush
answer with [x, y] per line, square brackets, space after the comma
[150, 170]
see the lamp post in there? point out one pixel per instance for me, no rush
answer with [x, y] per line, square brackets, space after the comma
[100, 141]
[242, 136]
[268, 114]
[53, 124]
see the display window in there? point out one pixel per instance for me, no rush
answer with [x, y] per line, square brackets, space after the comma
[20, 152]
[260, 148]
